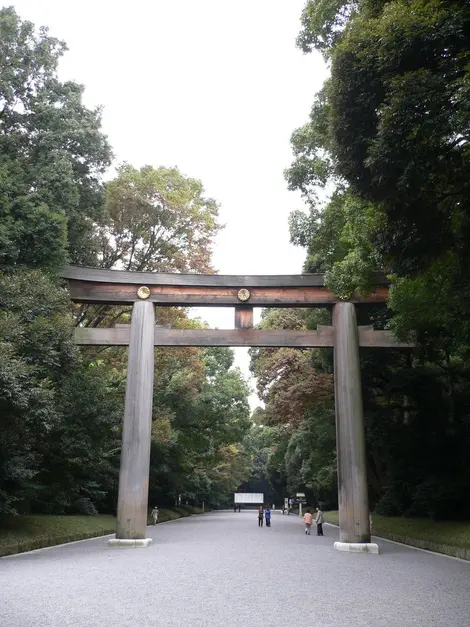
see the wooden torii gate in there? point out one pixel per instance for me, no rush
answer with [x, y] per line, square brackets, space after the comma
[145, 290]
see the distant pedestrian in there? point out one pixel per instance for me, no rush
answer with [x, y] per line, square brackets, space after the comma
[239, 507]
[260, 516]
[308, 519]
[283, 507]
[319, 520]
[155, 515]
[267, 515]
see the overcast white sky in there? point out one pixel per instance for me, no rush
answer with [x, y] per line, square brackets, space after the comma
[211, 86]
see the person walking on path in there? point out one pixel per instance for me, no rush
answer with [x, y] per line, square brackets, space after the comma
[319, 520]
[308, 519]
[267, 515]
[260, 516]
[155, 515]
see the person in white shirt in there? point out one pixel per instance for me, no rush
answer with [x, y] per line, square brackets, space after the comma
[319, 519]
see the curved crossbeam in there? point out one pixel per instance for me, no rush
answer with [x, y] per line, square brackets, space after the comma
[113, 287]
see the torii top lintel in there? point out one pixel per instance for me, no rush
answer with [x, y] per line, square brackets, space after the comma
[113, 287]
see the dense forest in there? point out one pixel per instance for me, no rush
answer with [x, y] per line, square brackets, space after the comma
[61, 408]
[382, 164]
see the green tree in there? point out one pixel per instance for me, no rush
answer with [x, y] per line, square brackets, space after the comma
[289, 380]
[157, 220]
[201, 415]
[60, 408]
[53, 407]
[296, 445]
[52, 154]
[382, 165]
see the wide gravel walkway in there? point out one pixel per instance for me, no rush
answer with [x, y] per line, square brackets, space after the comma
[220, 569]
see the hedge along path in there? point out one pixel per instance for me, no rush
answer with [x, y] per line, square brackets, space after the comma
[19, 534]
[448, 538]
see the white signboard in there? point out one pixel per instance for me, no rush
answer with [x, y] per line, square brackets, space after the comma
[249, 497]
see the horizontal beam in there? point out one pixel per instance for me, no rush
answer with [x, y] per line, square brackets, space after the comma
[209, 337]
[322, 338]
[119, 293]
[368, 338]
[123, 277]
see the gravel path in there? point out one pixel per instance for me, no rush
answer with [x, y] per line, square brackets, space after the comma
[220, 569]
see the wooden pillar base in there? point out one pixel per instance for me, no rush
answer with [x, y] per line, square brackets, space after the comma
[357, 547]
[122, 543]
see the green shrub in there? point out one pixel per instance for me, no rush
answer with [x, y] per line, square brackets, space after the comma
[26, 533]
[423, 530]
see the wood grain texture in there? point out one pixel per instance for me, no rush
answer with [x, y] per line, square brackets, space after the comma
[136, 434]
[165, 336]
[100, 275]
[350, 439]
[118, 336]
[209, 337]
[118, 293]
[368, 338]
[243, 317]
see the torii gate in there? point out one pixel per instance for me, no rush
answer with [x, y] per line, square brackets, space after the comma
[145, 290]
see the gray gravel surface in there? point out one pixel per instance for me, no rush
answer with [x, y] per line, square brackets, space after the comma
[221, 569]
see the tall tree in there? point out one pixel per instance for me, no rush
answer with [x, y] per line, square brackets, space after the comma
[383, 165]
[297, 389]
[60, 408]
[201, 416]
[52, 153]
[157, 220]
[58, 413]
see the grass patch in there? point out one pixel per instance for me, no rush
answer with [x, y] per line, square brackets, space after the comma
[25, 533]
[192, 510]
[424, 531]
[164, 515]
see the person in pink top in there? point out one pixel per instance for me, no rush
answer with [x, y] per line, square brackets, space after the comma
[308, 519]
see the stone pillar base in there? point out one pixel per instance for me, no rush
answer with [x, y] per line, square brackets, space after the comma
[357, 547]
[115, 543]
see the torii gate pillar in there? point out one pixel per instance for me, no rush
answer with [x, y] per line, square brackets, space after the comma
[354, 526]
[136, 434]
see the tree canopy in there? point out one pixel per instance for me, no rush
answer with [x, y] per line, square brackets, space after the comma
[157, 220]
[61, 408]
[52, 153]
[297, 440]
[382, 166]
